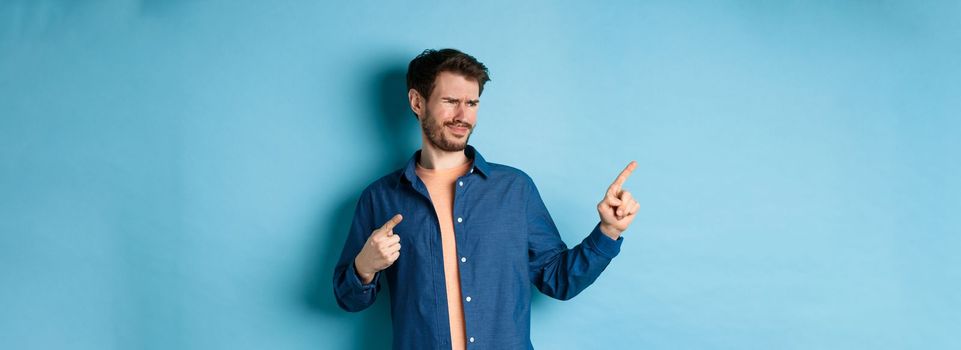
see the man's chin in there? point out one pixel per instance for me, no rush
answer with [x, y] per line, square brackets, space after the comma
[456, 143]
[453, 146]
[457, 147]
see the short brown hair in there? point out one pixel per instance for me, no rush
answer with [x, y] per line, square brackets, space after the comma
[424, 68]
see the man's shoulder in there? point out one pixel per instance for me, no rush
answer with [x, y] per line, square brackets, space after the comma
[388, 181]
[506, 171]
[509, 175]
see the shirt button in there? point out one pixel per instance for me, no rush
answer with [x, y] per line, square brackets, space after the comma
[460, 220]
[461, 183]
[471, 170]
[471, 339]
[468, 299]
[463, 259]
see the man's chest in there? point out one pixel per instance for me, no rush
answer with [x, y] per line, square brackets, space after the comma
[489, 224]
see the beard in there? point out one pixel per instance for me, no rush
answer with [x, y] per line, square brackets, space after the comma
[436, 133]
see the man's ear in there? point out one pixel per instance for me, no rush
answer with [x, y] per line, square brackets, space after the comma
[416, 102]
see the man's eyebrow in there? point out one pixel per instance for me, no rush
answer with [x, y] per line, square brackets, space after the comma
[457, 100]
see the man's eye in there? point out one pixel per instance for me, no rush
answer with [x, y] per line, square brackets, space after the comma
[472, 104]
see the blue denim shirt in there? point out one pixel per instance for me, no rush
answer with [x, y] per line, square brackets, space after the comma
[506, 241]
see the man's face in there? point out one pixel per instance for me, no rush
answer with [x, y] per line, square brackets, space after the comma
[449, 115]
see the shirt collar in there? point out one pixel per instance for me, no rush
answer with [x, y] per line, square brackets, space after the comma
[479, 163]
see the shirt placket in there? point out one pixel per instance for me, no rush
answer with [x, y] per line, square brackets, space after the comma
[437, 270]
[461, 220]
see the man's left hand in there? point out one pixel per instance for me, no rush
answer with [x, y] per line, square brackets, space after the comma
[618, 208]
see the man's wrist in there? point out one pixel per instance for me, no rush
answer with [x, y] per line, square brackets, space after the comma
[610, 231]
[364, 276]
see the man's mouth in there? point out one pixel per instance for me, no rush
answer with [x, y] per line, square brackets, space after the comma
[459, 129]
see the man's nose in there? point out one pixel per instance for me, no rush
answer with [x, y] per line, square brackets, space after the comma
[459, 111]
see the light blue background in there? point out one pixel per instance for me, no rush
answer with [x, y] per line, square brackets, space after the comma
[180, 174]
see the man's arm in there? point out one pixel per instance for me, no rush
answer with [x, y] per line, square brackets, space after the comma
[351, 292]
[563, 273]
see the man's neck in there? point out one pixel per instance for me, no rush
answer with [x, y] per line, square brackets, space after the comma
[433, 158]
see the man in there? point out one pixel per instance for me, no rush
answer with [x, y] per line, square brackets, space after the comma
[459, 239]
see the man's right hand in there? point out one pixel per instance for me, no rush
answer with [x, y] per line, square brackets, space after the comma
[381, 250]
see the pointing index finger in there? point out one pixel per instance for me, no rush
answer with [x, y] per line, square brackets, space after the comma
[619, 181]
[390, 224]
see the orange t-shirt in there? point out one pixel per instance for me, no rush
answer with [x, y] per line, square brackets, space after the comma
[440, 186]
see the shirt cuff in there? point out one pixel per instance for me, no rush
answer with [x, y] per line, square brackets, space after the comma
[603, 244]
[354, 281]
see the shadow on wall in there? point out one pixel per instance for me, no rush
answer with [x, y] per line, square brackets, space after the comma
[394, 138]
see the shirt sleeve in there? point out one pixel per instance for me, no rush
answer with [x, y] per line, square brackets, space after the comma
[352, 294]
[555, 270]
